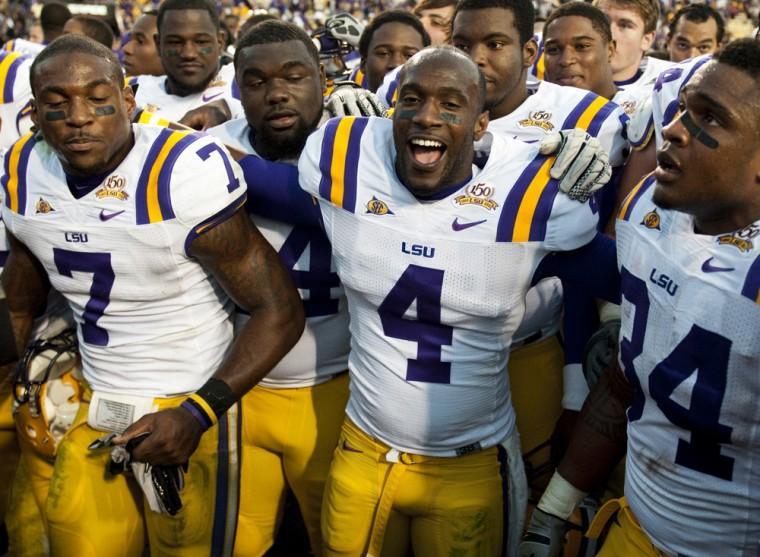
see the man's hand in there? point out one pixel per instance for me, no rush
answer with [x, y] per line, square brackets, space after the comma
[582, 165]
[174, 436]
[348, 99]
[544, 536]
[601, 351]
[207, 116]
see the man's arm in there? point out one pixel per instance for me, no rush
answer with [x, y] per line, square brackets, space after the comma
[600, 435]
[250, 271]
[26, 287]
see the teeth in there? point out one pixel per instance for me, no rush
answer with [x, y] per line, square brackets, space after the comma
[427, 143]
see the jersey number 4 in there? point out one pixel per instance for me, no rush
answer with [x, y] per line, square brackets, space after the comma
[99, 264]
[424, 286]
[700, 351]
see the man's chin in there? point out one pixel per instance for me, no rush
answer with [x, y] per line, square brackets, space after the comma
[663, 198]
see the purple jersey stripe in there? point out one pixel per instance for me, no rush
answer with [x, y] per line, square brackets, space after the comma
[222, 478]
[164, 176]
[512, 204]
[141, 193]
[21, 173]
[214, 220]
[636, 196]
[10, 80]
[4, 179]
[601, 116]
[350, 182]
[325, 159]
[751, 288]
[543, 210]
[572, 119]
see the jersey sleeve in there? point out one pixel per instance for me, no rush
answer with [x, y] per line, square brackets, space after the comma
[571, 224]
[611, 134]
[200, 204]
[14, 77]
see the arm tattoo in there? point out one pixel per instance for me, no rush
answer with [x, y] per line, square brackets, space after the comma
[604, 410]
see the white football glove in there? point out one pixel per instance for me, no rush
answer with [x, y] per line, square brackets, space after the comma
[582, 165]
[345, 27]
[348, 99]
[544, 536]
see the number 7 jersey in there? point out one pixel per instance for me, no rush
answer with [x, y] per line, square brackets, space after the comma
[690, 347]
[151, 320]
[435, 288]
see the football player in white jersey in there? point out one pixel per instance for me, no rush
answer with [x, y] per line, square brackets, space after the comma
[114, 217]
[689, 263]
[195, 91]
[634, 24]
[299, 406]
[498, 36]
[410, 219]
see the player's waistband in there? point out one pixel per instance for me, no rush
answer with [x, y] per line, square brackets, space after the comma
[382, 452]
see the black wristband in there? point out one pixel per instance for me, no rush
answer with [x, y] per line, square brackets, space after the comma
[217, 395]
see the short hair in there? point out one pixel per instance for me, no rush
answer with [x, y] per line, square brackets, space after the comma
[433, 5]
[698, 13]
[255, 19]
[96, 29]
[275, 31]
[742, 54]
[77, 44]
[599, 21]
[523, 13]
[648, 10]
[391, 16]
[54, 16]
[187, 5]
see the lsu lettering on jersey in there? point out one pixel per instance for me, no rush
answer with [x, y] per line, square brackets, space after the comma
[645, 76]
[151, 321]
[689, 346]
[322, 350]
[667, 88]
[15, 94]
[151, 95]
[435, 288]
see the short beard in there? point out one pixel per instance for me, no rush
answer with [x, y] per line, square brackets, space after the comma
[272, 147]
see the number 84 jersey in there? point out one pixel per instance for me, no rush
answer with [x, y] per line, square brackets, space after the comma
[151, 320]
[690, 347]
[436, 287]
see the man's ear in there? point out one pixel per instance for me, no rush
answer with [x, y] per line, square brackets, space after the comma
[481, 125]
[647, 41]
[529, 53]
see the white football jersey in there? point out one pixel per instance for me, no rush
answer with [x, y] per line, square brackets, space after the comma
[649, 69]
[15, 94]
[555, 107]
[152, 97]
[690, 348]
[151, 321]
[667, 88]
[435, 288]
[22, 46]
[322, 350]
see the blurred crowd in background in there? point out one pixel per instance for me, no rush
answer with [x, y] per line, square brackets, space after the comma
[20, 19]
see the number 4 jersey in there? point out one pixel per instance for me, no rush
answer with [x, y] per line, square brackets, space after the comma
[435, 288]
[151, 321]
[690, 346]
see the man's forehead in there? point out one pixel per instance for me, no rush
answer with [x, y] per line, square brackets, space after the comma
[433, 72]
[287, 53]
[178, 20]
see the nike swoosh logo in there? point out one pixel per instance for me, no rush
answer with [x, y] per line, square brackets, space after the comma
[456, 226]
[349, 448]
[108, 216]
[708, 268]
[211, 97]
